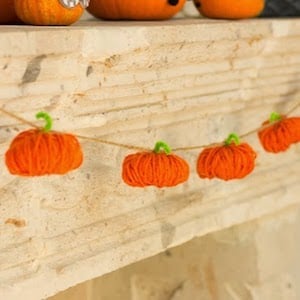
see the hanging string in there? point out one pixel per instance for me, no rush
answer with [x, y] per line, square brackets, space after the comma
[291, 111]
[242, 136]
[133, 147]
[102, 141]
[14, 116]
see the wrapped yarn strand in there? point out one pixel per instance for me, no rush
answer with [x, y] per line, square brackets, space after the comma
[158, 168]
[281, 133]
[38, 152]
[232, 160]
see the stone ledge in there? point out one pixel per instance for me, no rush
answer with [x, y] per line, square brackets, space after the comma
[184, 81]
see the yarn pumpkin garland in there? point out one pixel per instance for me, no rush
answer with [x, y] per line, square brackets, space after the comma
[158, 168]
[232, 160]
[281, 133]
[38, 152]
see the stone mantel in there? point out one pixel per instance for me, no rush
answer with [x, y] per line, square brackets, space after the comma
[187, 82]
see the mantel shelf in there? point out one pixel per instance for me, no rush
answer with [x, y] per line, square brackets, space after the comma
[187, 82]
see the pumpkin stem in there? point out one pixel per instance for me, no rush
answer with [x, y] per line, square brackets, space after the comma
[162, 145]
[233, 137]
[274, 117]
[47, 118]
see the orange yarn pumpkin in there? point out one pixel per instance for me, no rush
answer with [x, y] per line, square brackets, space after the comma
[279, 136]
[135, 9]
[161, 169]
[230, 9]
[47, 12]
[7, 12]
[229, 161]
[39, 152]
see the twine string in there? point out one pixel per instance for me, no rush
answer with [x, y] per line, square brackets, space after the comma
[138, 148]
[242, 136]
[99, 140]
[18, 118]
[131, 147]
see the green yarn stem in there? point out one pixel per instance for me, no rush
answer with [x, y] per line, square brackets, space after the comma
[233, 137]
[274, 117]
[47, 118]
[162, 145]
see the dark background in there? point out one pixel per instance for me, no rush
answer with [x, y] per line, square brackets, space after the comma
[282, 8]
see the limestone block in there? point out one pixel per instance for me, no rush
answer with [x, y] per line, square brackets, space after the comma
[185, 81]
[257, 260]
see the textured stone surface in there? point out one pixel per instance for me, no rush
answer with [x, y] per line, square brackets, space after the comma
[257, 260]
[187, 82]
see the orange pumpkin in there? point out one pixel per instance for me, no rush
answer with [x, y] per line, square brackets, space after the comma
[47, 12]
[229, 161]
[38, 152]
[7, 12]
[135, 9]
[161, 169]
[281, 133]
[230, 9]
